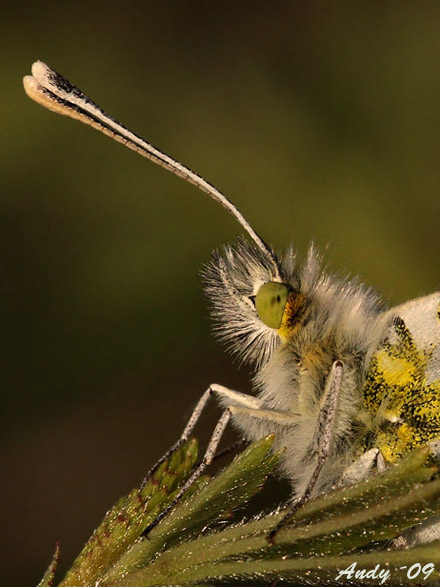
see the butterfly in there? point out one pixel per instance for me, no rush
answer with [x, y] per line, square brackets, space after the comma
[346, 385]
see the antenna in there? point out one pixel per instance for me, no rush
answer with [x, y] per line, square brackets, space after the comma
[54, 92]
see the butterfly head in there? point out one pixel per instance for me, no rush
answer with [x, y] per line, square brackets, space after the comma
[256, 304]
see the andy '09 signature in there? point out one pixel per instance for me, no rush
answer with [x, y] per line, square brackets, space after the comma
[415, 571]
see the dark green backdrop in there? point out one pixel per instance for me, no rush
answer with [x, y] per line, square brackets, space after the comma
[320, 120]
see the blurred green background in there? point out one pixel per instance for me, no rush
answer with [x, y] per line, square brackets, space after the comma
[320, 120]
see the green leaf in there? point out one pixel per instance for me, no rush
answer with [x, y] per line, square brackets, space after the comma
[198, 543]
[214, 501]
[49, 575]
[339, 522]
[127, 519]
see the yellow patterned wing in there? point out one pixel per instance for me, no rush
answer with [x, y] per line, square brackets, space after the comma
[402, 389]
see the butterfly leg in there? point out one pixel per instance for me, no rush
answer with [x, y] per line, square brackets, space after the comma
[201, 404]
[198, 471]
[325, 425]
[361, 468]
[229, 397]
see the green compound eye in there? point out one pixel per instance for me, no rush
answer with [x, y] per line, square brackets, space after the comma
[270, 302]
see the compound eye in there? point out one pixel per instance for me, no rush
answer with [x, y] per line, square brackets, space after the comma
[270, 303]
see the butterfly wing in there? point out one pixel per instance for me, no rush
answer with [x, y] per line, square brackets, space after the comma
[422, 318]
[402, 390]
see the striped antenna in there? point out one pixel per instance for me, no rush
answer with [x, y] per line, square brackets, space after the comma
[54, 92]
